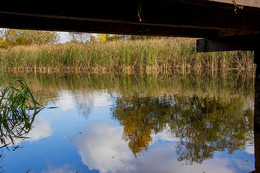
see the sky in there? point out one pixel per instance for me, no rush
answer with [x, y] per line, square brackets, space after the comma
[64, 37]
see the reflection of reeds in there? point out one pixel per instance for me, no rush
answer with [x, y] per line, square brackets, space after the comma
[221, 87]
[164, 55]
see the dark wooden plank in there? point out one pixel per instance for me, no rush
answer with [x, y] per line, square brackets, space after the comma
[227, 44]
[166, 13]
[250, 3]
[43, 23]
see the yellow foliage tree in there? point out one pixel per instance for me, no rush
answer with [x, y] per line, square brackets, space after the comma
[102, 37]
[107, 37]
[26, 37]
[3, 43]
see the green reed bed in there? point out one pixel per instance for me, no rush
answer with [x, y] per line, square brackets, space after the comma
[164, 55]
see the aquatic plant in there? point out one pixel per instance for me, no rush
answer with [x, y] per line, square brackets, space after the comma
[18, 109]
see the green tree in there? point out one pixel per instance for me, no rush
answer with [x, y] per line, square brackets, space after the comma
[204, 125]
[15, 37]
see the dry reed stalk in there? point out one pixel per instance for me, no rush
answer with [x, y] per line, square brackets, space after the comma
[162, 55]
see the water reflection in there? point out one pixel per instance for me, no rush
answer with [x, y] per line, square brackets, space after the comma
[101, 148]
[204, 125]
[146, 123]
[18, 110]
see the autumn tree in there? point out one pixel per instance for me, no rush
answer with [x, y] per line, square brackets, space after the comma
[3, 43]
[135, 115]
[14, 37]
[107, 37]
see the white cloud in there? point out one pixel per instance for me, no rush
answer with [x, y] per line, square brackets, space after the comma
[166, 134]
[64, 37]
[69, 100]
[250, 149]
[101, 147]
[40, 129]
[66, 101]
[61, 169]
[101, 99]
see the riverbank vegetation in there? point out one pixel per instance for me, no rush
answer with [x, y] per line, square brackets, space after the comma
[151, 54]
[140, 55]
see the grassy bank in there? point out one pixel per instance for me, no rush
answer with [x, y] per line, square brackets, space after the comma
[162, 55]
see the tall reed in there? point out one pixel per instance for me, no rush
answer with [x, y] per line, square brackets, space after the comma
[167, 54]
[18, 110]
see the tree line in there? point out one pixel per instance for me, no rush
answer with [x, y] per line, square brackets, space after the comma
[15, 37]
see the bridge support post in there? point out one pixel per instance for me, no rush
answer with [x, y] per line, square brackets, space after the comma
[241, 43]
[257, 110]
[257, 90]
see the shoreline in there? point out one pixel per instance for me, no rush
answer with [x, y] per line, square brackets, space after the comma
[125, 70]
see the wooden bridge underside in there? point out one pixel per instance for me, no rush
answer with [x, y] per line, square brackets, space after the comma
[186, 18]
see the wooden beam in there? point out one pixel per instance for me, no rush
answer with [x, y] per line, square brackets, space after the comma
[227, 44]
[249, 3]
[193, 14]
[74, 25]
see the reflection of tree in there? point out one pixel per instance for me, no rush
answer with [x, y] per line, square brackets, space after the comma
[211, 125]
[84, 102]
[137, 115]
[204, 125]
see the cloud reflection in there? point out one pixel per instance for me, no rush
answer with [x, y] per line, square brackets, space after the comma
[101, 148]
[84, 101]
[61, 169]
[41, 129]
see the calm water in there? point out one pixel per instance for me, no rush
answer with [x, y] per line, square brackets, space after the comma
[129, 123]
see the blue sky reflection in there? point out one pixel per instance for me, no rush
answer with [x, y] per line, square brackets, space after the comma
[66, 140]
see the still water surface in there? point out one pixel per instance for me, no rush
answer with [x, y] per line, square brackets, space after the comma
[129, 123]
